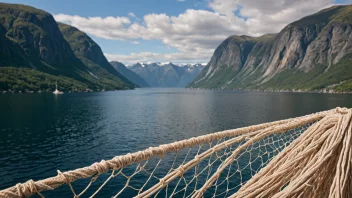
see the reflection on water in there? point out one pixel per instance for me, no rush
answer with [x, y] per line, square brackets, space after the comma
[42, 133]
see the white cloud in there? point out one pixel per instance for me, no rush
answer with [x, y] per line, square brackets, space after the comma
[119, 28]
[224, 6]
[131, 14]
[196, 33]
[181, 0]
[268, 16]
[135, 42]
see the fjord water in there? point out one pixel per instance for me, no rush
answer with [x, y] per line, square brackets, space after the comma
[42, 133]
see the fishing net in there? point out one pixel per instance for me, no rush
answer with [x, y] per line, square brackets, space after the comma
[309, 156]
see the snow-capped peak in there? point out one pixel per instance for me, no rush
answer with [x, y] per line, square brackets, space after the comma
[193, 64]
[161, 64]
[164, 63]
[142, 64]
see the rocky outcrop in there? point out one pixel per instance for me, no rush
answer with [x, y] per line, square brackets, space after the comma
[310, 53]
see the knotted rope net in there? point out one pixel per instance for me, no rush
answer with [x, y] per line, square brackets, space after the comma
[309, 156]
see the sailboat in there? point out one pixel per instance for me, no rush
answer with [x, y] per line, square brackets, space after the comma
[57, 92]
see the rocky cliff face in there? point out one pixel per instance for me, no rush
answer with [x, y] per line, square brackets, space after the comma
[311, 53]
[10, 53]
[37, 34]
[31, 38]
[129, 74]
[166, 74]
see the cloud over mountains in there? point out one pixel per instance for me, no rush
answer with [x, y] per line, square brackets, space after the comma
[196, 33]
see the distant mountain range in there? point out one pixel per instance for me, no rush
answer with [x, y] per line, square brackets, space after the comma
[167, 74]
[313, 53]
[129, 74]
[36, 51]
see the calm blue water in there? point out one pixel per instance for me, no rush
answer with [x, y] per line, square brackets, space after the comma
[42, 133]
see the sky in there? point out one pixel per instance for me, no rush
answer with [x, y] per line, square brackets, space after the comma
[178, 31]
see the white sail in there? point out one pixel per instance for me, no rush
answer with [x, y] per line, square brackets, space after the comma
[56, 92]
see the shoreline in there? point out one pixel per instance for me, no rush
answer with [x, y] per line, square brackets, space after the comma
[75, 91]
[324, 91]
[218, 89]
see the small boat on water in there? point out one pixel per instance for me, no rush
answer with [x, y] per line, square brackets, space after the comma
[57, 92]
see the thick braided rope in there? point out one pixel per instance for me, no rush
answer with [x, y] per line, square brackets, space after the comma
[30, 187]
[252, 140]
[292, 123]
[317, 164]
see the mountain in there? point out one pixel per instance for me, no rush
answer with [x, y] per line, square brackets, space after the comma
[313, 53]
[129, 74]
[32, 45]
[92, 56]
[190, 73]
[166, 74]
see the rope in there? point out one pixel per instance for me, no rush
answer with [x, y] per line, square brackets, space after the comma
[333, 119]
[317, 164]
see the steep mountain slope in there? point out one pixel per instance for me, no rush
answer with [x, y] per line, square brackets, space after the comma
[92, 56]
[30, 38]
[311, 54]
[129, 74]
[166, 74]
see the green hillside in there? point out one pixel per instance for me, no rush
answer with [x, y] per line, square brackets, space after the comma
[32, 39]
